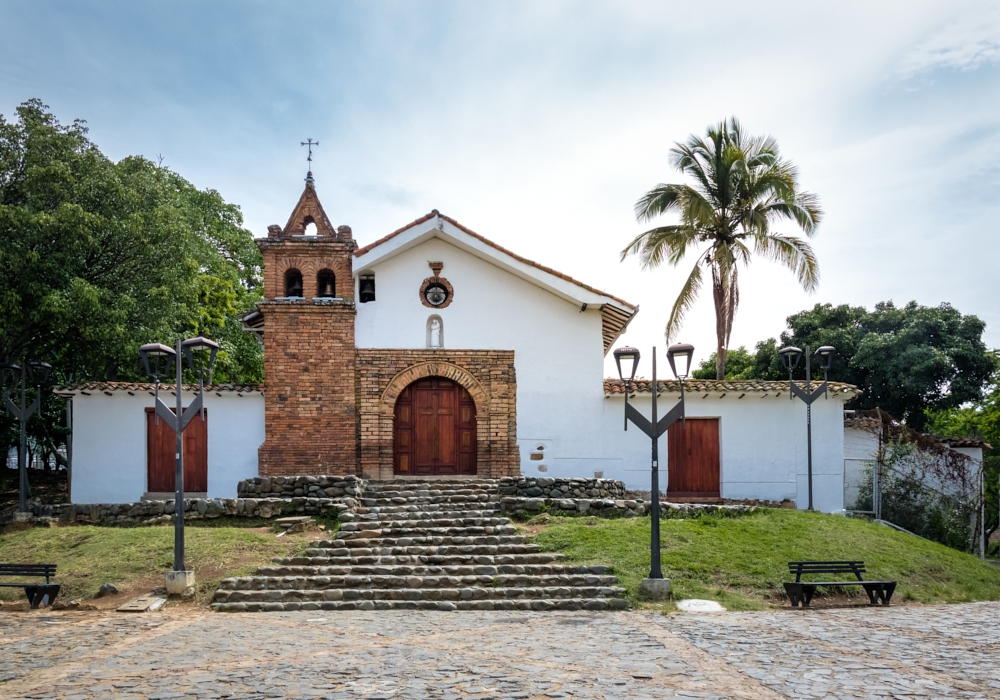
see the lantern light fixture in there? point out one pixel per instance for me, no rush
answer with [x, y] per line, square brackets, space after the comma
[39, 372]
[682, 352]
[826, 354]
[629, 355]
[790, 357]
[157, 360]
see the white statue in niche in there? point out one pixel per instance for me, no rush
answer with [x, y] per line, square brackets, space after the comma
[435, 332]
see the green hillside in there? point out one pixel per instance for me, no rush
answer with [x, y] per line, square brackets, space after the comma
[741, 562]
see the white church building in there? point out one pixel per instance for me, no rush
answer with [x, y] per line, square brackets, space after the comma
[409, 357]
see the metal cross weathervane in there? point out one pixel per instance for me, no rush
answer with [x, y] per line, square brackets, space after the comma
[310, 143]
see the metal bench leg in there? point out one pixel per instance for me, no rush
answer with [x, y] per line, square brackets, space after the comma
[874, 592]
[41, 595]
[808, 592]
[887, 592]
[794, 592]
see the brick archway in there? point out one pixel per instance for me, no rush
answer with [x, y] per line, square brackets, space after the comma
[487, 375]
[433, 369]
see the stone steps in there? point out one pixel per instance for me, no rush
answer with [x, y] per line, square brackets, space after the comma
[447, 535]
[265, 582]
[430, 570]
[526, 559]
[378, 540]
[527, 604]
[443, 510]
[396, 521]
[424, 545]
[376, 550]
[224, 595]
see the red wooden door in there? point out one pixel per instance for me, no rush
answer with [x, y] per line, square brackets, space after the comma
[434, 430]
[693, 459]
[160, 450]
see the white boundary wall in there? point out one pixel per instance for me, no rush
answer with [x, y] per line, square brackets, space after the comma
[109, 443]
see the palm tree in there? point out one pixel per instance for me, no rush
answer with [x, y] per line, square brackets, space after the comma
[741, 188]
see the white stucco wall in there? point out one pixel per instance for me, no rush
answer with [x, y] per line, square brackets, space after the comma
[558, 350]
[763, 450]
[109, 443]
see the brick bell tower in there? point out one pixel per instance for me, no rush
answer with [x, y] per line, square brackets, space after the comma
[309, 355]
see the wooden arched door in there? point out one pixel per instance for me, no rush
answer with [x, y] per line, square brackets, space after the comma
[434, 433]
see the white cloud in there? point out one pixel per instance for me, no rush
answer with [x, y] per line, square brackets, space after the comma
[966, 44]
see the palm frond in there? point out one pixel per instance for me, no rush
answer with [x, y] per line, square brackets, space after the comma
[662, 243]
[657, 201]
[685, 300]
[794, 253]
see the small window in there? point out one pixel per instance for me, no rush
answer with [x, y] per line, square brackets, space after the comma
[293, 283]
[326, 284]
[366, 288]
[435, 332]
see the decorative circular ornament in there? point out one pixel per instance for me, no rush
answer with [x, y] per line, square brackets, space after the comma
[436, 293]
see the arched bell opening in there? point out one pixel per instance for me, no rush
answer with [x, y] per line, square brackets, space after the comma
[293, 283]
[434, 430]
[326, 284]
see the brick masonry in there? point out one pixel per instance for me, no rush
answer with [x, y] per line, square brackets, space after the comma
[488, 376]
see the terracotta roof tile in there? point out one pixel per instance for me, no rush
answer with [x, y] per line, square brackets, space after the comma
[967, 442]
[716, 386]
[142, 386]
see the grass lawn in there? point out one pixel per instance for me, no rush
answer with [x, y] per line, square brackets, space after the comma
[741, 562]
[134, 558]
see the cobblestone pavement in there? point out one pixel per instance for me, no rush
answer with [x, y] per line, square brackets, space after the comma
[900, 652]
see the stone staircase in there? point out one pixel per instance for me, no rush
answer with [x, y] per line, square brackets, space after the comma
[427, 545]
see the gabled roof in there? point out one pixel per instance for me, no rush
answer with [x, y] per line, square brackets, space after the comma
[616, 313]
[721, 386]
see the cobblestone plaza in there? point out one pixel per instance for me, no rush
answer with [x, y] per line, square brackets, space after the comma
[898, 652]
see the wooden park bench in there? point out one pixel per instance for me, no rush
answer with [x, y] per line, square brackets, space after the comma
[38, 593]
[803, 591]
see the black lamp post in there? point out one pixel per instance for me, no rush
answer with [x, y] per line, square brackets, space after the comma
[790, 357]
[654, 428]
[157, 360]
[37, 373]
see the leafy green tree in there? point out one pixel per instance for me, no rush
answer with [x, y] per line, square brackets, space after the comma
[740, 364]
[98, 257]
[740, 189]
[907, 360]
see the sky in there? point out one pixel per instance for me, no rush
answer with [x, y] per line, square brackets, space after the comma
[539, 124]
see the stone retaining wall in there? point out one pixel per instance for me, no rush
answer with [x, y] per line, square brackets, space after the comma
[552, 488]
[162, 512]
[307, 486]
[338, 496]
[616, 508]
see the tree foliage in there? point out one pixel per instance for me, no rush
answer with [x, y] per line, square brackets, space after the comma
[98, 257]
[907, 360]
[740, 189]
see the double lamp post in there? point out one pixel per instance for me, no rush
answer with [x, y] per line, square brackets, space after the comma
[790, 357]
[654, 584]
[158, 360]
[19, 376]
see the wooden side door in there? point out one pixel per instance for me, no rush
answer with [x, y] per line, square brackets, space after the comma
[160, 446]
[693, 459]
